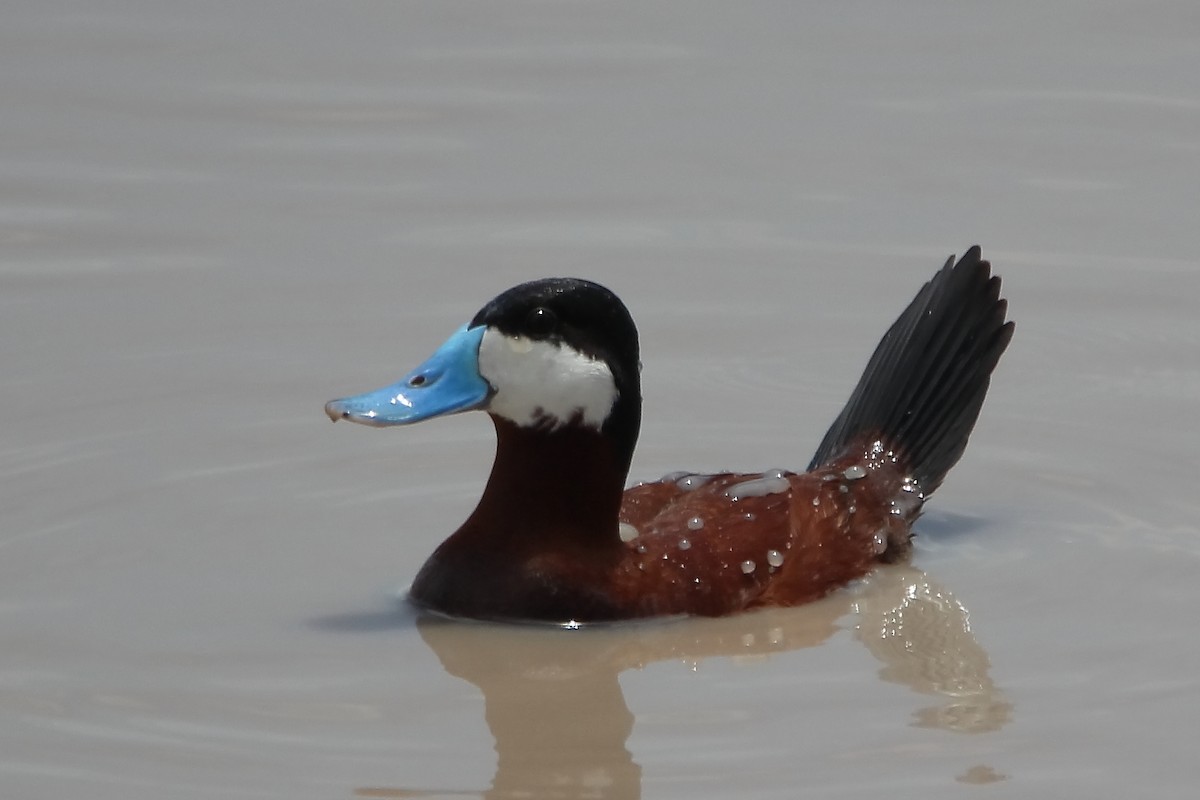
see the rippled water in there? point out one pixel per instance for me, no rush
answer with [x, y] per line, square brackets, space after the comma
[213, 219]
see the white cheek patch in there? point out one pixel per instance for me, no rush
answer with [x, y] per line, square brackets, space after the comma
[542, 383]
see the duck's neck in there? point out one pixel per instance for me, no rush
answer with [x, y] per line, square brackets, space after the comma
[562, 486]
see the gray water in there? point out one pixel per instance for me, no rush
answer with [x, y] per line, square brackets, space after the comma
[215, 217]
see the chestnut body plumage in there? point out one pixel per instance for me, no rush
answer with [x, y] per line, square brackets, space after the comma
[556, 537]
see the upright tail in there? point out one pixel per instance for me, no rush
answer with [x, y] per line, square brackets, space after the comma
[922, 389]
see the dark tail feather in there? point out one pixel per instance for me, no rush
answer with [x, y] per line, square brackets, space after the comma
[922, 389]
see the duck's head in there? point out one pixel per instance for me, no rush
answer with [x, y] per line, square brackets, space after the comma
[549, 355]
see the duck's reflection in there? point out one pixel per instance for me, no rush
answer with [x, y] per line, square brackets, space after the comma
[559, 718]
[922, 635]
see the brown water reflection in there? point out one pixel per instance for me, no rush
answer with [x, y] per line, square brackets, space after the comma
[560, 721]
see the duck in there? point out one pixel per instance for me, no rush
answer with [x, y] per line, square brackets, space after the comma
[556, 536]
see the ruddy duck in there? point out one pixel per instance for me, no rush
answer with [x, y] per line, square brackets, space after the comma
[557, 537]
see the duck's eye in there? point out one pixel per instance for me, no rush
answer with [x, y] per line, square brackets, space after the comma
[541, 321]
